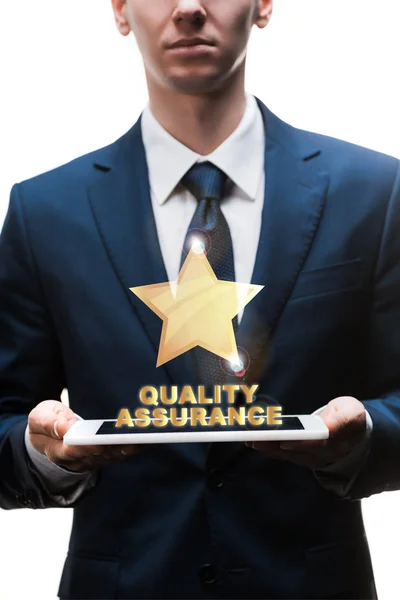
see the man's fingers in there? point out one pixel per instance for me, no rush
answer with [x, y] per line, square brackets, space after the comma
[48, 423]
[269, 449]
[296, 446]
[86, 458]
[82, 458]
[63, 424]
[303, 459]
[51, 418]
[345, 418]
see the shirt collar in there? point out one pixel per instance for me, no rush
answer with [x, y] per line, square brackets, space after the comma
[168, 159]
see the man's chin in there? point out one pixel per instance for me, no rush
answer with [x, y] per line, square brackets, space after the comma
[195, 84]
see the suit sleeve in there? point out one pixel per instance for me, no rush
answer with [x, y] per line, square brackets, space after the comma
[381, 470]
[31, 367]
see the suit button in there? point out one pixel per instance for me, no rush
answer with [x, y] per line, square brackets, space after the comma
[207, 574]
[25, 499]
[29, 499]
[215, 480]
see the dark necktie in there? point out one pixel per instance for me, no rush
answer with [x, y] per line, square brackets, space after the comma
[209, 228]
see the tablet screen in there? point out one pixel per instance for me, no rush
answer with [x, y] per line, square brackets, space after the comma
[288, 423]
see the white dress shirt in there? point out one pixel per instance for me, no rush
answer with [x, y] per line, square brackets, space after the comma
[241, 157]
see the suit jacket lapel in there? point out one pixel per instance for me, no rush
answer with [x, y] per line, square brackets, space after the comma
[122, 207]
[294, 200]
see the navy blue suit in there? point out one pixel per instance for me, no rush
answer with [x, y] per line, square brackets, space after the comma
[326, 324]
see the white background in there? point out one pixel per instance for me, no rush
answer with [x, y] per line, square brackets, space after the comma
[70, 84]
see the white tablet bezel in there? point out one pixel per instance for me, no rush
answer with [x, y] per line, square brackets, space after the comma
[84, 433]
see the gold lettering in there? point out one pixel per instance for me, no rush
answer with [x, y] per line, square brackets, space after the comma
[236, 415]
[163, 394]
[202, 398]
[178, 421]
[253, 420]
[142, 417]
[231, 389]
[124, 418]
[217, 394]
[148, 395]
[273, 414]
[160, 417]
[198, 414]
[249, 392]
[217, 416]
[187, 396]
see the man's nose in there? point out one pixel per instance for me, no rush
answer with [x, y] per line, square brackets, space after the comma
[190, 14]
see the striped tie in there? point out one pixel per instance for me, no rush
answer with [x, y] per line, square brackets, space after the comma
[209, 227]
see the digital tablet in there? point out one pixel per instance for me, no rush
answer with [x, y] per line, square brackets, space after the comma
[104, 431]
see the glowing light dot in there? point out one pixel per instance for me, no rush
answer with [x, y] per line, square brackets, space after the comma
[237, 367]
[198, 247]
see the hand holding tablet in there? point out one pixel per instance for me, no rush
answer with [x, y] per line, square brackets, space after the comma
[50, 421]
[309, 440]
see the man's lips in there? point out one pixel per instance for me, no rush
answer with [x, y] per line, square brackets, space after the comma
[194, 50]
[192, 47]
[189, 42]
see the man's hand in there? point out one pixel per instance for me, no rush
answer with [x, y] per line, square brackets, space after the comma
[344, 417]
[50, 420]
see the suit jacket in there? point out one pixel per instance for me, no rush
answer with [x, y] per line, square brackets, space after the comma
[181, 521]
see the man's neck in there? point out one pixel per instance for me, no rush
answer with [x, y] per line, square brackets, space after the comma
[200, 122]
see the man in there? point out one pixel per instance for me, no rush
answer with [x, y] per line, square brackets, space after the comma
[312, 219]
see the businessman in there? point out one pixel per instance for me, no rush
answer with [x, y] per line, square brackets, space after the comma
[312, 219]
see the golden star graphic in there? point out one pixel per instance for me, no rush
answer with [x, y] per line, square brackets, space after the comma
[197, 309]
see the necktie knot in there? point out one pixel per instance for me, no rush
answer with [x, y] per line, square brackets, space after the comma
[205, 180]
